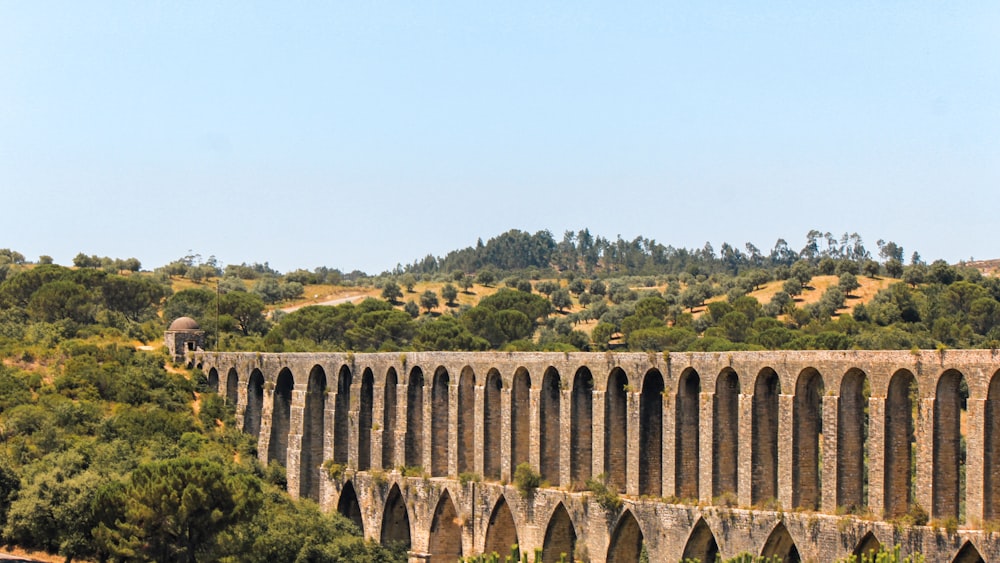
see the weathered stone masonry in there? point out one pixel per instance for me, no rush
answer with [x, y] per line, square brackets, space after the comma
[713, 452]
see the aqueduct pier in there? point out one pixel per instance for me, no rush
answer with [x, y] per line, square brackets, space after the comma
[809, 455]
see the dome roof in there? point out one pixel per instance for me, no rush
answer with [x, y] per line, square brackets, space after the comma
[184, 323]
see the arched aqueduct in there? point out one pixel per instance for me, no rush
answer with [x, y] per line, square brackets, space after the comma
[809, 455]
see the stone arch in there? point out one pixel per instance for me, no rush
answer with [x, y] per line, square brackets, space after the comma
[651, 434]
[313, 430]
[520, 419]
[365, 419]
[395, 521]
[968, 554]
[900, 443]
[616, 429]
[232, 387]
[213, 380]
[440, 420]
[701, 543]
[349, 507]
[582, 424]
[807, 442]
[991, 453]
[868, 545]
[255, 404]
[466, 420]
[341, 416]
[725, 434]
[560, 536]
[949, 402]
[764, 442]
[281, 418]
[626, 540]
[492, 421]
[852, 440]
[687, 429]
[501, 532]
[389, 420]
[445, 541]
[414, 443]
[780, 544]
[550, 436]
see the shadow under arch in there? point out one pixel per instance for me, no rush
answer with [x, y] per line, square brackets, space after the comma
[255, 404]
[281, 418]
[868, 544]
[349, 507]
[520, 419]
[616, 429]
[626, 540]
[213, 380]
[395, 521]
[501, 532]
[560, 536]
[445, 541]
[232, 387]
[313, 431]
[968, 554]
[991, 461]
[701, 543]
[492, 420]
[780, 544]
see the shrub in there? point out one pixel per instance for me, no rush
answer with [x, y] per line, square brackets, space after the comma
[526, 479]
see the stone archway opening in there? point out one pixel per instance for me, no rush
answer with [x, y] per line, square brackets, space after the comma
[550, 436]
[492, 425]
[440, 422]
[991, 455]
[445, 542]
[365, 418]
[520, 419]
[764, 444]
[687, 416]
[560, 537]
[466, 421]
[900, 440]
[725, 435]
[281, 415]
[780, 544]
[968, 554]
[255, 404]
[395, 521]
[582, 423]
[213, 380]
[807, 440]
[868, 546]
[232, 388]
[349, 507]
[389, 420]
[501, 532]
[626, 540]
[616, 429]
[414, 442]
[950, 410]
[701, 544]
[852, 441]
[313, 431]
[651, 435]
[341, 416]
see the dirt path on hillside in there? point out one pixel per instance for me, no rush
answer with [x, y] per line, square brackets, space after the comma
[328, 303]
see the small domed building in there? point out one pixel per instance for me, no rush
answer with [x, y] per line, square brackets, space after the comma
[184, 335]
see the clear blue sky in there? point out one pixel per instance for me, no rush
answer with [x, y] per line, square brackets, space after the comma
[364, 134]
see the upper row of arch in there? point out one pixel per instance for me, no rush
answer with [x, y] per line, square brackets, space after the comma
[985, 386]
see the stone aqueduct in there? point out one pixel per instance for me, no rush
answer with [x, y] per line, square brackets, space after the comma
[805, 455]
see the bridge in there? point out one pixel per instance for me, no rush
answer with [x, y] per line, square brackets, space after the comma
[807, 455]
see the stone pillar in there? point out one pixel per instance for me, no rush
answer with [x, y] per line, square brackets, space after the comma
[786, 450]
[975, 461]
[745, 472]
[353, 423]
[427, 452]
[876, 455]
[828, 447]
[478, 429]
[293, 457]
[506, 455]
[597, 436]
[706, 439]
[535, 453]
[401, 422]
[453, 436]
[241, 400]
[379, 432]
[632, 464]
[266, 412]
[668, 471]
[925, 456]
[565, 432]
